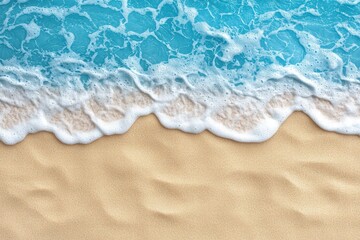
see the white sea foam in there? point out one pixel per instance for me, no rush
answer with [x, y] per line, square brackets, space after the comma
[261, 67]
[251, 113]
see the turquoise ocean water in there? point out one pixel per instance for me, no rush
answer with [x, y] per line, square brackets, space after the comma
[239, 68]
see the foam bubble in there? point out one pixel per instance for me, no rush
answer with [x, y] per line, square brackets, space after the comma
[82, 69]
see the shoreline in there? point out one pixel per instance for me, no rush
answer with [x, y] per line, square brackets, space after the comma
[82, 117]
[156, 183]
[155, 120]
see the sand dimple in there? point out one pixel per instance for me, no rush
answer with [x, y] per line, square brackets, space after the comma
[162, 91]
[240, 118]
[328, 109]
[183, 106]
[104, 113]
[281, 101]
[75, 120]
[353, 105]
[137, 99]
[3, 106]
[126, 100]
[15, 115]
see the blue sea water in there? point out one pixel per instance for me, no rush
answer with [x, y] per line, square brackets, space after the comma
[239, 68]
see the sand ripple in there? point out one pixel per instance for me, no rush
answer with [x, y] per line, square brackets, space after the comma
[153, 183]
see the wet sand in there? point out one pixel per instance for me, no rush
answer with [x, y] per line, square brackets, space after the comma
[155, 183]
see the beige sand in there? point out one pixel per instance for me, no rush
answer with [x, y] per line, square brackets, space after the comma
[154, 183]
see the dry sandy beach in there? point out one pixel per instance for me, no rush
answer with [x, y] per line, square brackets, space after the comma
[155, 183]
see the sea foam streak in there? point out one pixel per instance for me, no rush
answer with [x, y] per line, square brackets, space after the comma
[86, 68]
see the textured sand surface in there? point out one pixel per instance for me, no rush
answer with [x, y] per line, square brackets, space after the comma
[154, 183]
